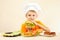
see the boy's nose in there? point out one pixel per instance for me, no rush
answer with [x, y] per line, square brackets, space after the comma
[31, 16]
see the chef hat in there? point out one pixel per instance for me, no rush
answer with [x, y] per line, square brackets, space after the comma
[32, 6]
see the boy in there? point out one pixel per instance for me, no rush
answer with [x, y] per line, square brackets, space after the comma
[32, 27]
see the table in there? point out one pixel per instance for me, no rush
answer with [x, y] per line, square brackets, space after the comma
[57, 37]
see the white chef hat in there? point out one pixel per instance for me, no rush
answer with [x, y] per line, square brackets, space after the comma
[32, 6]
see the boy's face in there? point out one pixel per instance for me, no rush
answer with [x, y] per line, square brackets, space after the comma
[31, 15]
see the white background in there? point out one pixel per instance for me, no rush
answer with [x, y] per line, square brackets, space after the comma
[12, 15]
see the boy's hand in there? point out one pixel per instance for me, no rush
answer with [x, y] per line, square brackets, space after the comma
[44, 28]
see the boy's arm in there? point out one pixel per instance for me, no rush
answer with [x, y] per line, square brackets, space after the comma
[42, 26]
[24, 31]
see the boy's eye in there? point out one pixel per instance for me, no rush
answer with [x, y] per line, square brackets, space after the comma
[29, 15]
[33, 15]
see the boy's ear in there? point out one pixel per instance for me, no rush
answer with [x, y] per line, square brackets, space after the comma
[26, 16]
[36, 15]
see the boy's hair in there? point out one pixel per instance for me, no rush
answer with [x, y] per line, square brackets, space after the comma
[31, 11]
